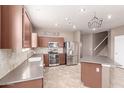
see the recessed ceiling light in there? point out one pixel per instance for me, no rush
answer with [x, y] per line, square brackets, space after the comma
[109, 16]
[83, 10]
[66, 19]
[56, 24]
[74, 26]
[94, 29]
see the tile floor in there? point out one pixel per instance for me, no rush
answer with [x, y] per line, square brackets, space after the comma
[63, 77]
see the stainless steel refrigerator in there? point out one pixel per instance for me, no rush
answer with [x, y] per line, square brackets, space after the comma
[72, 52]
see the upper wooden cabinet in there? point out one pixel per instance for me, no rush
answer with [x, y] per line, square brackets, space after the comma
[11, 26]
[27, 30]
[0, 26]
[43, 41]
[15, 27]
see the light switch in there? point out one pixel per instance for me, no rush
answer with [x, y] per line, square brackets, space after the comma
[97, 69]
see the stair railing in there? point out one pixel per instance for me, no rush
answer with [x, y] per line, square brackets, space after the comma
[100, 43]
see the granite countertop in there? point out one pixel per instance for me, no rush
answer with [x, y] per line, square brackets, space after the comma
[26, 71]
[98, 60]
[37, 55]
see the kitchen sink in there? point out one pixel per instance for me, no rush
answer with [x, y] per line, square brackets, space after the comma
[34, 59]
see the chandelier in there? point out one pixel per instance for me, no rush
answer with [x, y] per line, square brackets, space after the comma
[95, 23]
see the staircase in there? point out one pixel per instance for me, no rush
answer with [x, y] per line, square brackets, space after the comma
[101, 44]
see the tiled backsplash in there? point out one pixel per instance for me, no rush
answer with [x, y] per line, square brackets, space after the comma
[45, 50]
[10, 59]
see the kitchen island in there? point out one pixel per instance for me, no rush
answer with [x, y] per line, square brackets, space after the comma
[28, 75]
[95, 71]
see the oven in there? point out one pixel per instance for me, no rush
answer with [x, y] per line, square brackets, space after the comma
[53, 53]
[53, 58]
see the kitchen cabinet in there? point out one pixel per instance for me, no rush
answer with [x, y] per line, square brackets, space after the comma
[34, 40]
[27, 30]
[37, 83]
[60, 40]
[46, 60]
[15, 28]
[11, 26]
[43, 41]
[62, 58]
[91, 74]
[0, 26]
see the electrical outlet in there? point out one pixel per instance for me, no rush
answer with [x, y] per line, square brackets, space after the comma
[97, 69]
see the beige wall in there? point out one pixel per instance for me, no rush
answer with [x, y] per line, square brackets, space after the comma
[68, 35]
[76, 37]
[116, 73]
[87, 44]
[114, 32]
[98, 37]
[104, 51]
[90, 41]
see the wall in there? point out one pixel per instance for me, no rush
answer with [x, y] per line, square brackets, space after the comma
[97, 38]
[81, 45]
[76, 37]
[87, 44]
[104, 51]
[10, 59]
[114, 32]
[89, 41]
[117, 76]
[68, 35]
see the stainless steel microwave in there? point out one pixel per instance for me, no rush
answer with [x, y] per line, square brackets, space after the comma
[53, 44]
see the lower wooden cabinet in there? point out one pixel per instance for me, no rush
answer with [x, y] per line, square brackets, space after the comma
[91, 74]
[46, 60]
[38, 83]
[62, 59]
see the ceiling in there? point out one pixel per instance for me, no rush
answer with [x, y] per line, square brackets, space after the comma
[70, 17]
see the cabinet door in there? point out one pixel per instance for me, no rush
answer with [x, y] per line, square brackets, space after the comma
[46, 60]
[91, 74]
[62, 59]
[60, 40]
[26, 30]
[0, 26]
[11, 26]
[43, 41]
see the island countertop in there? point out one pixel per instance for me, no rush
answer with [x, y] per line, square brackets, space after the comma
[98, 60]
[26, 71]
